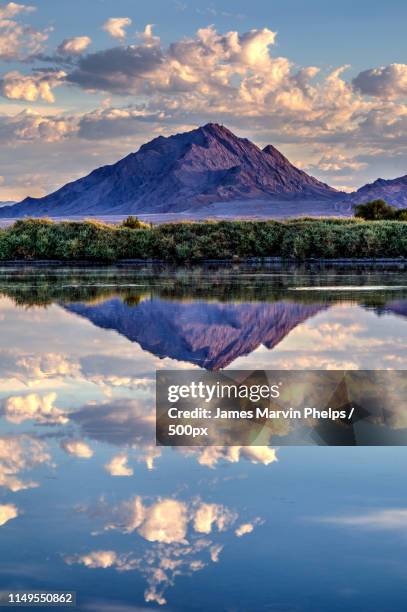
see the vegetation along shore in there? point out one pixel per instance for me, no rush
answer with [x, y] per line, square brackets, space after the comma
[41, 239]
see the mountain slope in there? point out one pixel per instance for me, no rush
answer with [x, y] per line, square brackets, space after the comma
[183, 172]
[393, 191]
[209, 335]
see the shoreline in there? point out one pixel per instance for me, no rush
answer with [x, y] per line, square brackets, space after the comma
[261, 261]
[299, 240]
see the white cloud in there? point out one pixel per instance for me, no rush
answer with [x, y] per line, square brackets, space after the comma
[337, 163]
[17, 86]
[45, 365]
[215, 551]
[19, 454]
[33, 407]
[233, 74]
[259, 454]
[77, 448]
[18, 41]
[118, 466]
[7, 513]
[174, 539]
[30, 126]
[13, 8]
[148, 36]
[210, 456]
[74, 46]
[115, 26]
[207, 515]
[95, 559]
[163, 521]
[167, 520]
[244, 529]
[123, 422]
[384, 82]
[220, 76]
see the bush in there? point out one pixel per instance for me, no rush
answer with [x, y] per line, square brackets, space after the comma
[31, 239]
[133, 223]
[376, 210]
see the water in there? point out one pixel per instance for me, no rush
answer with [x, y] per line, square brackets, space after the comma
[89, 503]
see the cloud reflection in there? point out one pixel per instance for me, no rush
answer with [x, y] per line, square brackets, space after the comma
[180, 536]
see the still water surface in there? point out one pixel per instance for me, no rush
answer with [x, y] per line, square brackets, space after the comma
[89, 503]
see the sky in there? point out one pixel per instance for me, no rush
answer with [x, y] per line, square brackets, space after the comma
[85, 83]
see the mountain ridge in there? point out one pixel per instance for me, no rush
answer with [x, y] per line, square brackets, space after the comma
[394, 191]
[208, 171]
[186, 171]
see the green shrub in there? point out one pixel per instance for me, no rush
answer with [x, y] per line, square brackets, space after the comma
[31, 239]
[133, 223]
[376, 210]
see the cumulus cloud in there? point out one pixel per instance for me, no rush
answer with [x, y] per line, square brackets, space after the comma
[384, 82]
[120, 70]
[207, 515]
[246, 528]
[167, 520]
[13, 8]
[19, 454]
[116, 26]
[123, 422]
[17, 86]
[338, 163]
[45, 365]
[207, 64]
[159, 567]
[18, 41]
[30, 125]
[174, 539]
[210, 456]
[164, 521]
[74, 46]
[95, 559]
[223, 75]
[7, 513]
[77, 448]
[220, 76]
[118, 466]
[33, 407]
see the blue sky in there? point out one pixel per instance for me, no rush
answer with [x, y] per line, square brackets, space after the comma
[84, 83]
[360, 33]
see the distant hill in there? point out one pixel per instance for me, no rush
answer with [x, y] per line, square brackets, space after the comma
[6, 204]
[184, 172]
[393, 191]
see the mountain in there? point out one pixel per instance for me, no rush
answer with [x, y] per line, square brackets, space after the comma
[393, 191]
[210, 335]
[187, 171]
[6, 204]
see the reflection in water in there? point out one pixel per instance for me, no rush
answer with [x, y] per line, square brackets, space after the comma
[103, 511]
[209, 335]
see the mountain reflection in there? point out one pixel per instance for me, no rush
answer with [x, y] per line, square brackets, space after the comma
[210, 335]
[205, 316]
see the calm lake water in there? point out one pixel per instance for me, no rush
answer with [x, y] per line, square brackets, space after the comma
[89, 503]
